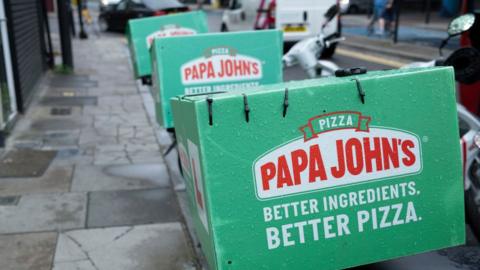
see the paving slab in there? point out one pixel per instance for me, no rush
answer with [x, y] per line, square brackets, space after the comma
[114, 91]
[72, 81]
[114, 119]
[112, 157]
[120, 208]
[143, 156]
[68, 91]
[55, 124]
[143, 152]
[44, 212]
[120, 177]
[60, 139]
[74, 156]
[46, 112]
[147, 247]
[33, 251]
[69, 101]
[25, 163]
[55, 179]
[61, 111]
[98, 136]
[46, 140]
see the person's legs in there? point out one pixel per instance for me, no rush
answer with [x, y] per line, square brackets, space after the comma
[381, 26]
[381, 21]
[375, 17]
[388, 16]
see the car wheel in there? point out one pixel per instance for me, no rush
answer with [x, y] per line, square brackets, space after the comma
[224, 28]
[472, 210]
[103, 24]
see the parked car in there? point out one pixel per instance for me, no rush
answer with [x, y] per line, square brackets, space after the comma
[298, 19]
[116, 16]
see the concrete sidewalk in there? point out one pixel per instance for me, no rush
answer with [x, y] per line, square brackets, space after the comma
[83, 182]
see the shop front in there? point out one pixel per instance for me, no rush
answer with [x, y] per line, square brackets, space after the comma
[8, 105]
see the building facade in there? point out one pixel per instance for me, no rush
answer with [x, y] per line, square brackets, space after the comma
[22, 56]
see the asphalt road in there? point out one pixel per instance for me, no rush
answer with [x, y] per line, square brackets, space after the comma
[465, 257]
[343, 59]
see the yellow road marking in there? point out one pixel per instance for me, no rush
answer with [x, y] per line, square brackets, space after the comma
[69, 94]
[370, 58]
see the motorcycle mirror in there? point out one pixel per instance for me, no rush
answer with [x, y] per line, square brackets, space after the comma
[456, 27]
[461, 24]
[331, 13]
[466, 63]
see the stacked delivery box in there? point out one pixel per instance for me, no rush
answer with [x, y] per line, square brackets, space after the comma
[207, 63]
[142, 32]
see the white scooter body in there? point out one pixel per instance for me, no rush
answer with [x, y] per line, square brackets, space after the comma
[470, 151]
[420, 64]
[470, 131]
[306, 54]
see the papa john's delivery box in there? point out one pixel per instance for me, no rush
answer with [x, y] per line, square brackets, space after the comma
[142, 32]
[327, 182]
[218, 62]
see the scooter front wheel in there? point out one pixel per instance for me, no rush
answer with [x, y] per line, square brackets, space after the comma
[472, 212]
[328, 52]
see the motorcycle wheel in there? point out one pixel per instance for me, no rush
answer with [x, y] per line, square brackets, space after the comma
[328, 53]
[472, 211]
[224, 28]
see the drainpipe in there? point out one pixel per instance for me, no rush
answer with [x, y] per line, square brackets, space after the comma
[64, 27]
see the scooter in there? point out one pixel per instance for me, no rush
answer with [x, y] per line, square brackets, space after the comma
[307, 52]
[466, 63]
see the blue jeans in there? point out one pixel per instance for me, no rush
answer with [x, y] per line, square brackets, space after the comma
[378, 12]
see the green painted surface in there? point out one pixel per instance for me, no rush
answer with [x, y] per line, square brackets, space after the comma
[370, 182]
[219, 62]
[140, 34]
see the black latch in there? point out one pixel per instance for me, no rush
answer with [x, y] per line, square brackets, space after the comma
[360, 90]
[210, 111]
[246, 108]
[285, 103]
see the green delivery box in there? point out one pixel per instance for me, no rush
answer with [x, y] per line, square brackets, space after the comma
[142, 32]
[306, 176]
[207, 63]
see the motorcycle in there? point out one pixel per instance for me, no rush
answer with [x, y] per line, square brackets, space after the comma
[466, 63]
[307, 52]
